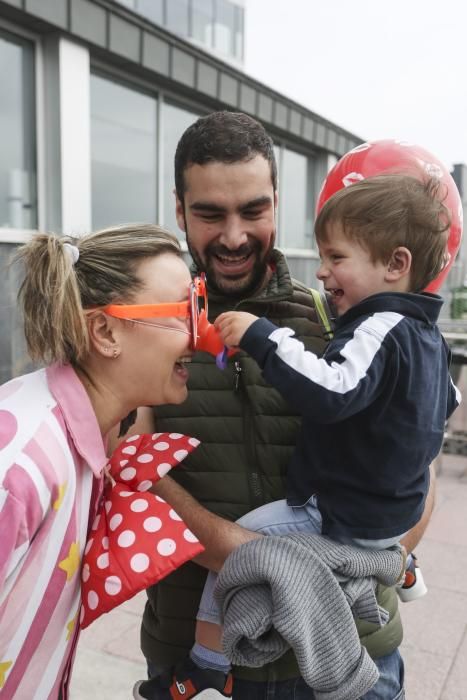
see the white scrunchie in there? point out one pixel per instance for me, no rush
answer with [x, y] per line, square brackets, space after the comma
[72, 251]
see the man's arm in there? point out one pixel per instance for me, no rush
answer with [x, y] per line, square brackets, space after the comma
[220, 537]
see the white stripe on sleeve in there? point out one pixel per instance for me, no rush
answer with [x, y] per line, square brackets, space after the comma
[358, 353]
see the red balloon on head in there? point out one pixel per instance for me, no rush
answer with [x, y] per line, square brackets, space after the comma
[389, 156]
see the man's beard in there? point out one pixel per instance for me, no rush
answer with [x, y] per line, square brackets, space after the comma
[240, 286]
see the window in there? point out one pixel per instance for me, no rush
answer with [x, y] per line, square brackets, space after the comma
[152, 9]
[123, 154]
[239, 32]
[202, 21]
[175, 121]
[277, 156]
[18, 200]
[297, 194]
[177, 17]
[224, 27]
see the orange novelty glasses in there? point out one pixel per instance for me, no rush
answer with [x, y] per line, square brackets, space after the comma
[191, 308]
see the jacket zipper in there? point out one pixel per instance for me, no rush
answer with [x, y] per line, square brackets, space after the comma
[254, 478]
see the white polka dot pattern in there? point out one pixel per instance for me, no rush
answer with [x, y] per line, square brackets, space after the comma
[166, 547]
[139, 563]
[103, 560]
[163, 468]
[85, 573]
[115, 521]
[126, 538]
[112, 585]
[93, 600]
[128, 473]
[139, 505]
[144, 458]
[137, 538]
[152, 524]
[161, 446]
[189, 536]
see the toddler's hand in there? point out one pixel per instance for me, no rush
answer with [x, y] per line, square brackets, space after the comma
[232, 326]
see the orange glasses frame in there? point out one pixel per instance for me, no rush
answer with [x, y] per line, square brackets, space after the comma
[187, 309]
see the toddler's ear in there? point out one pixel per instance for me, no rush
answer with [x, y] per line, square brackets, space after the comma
[399, 264]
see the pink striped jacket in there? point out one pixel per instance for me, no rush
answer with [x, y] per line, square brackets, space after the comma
[51, 460]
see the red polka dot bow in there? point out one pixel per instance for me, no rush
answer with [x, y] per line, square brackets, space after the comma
[136, 538]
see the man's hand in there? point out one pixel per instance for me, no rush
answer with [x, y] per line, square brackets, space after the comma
[232, 326]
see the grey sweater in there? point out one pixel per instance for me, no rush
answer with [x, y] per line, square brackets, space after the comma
[282, 592]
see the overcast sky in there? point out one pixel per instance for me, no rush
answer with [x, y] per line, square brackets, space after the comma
[379, 69]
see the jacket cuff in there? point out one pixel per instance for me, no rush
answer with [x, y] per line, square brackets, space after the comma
[256, 341]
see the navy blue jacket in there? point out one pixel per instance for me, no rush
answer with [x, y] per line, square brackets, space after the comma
[374, 409]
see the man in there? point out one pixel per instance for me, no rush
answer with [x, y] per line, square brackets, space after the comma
[226, 201]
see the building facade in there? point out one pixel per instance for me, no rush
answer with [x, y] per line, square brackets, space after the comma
[214, 25]
[94, 95]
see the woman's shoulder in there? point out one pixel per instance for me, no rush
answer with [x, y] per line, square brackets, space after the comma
[25, 405]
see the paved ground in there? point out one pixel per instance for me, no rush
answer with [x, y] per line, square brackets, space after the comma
[435, 644]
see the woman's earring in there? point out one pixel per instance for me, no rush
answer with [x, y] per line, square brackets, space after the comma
[115, 353]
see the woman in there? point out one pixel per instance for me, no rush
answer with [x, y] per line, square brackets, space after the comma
[54, 422]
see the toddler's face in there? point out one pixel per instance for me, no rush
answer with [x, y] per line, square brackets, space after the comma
[347, 271]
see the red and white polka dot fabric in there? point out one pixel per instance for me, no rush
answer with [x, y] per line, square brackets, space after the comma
[136, 538]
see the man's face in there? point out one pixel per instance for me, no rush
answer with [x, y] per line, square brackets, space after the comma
[228, 215]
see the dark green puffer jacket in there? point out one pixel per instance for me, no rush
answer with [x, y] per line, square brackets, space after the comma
[247, 435]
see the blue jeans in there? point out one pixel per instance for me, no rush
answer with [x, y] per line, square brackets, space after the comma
[278, 518]
[390, 685]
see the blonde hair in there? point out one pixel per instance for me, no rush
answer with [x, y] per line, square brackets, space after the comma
[387, 211]
[56, 290]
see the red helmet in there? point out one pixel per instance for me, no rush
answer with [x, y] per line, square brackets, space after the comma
[390, 156]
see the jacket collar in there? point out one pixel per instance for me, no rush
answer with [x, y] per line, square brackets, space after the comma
[424, 307]
[79, 416]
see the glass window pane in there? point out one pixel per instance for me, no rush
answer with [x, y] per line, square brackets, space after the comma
[18, 205]
[239, 32]
[152, 9]
[128, 3]
[176, 120]
[224, 28]
[177, 17]
[202, 21]
[297, 197]
[277, 155]
[123, 154]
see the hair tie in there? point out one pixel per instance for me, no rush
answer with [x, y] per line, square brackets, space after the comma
[72, 251]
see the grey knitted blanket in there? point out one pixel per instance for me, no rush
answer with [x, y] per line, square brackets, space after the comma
[282, 592]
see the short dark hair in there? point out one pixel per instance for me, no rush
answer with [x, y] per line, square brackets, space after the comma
[223, 137]
[387, 211]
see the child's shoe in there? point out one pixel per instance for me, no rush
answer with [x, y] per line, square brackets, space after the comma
[184, 682]
[414, 586]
